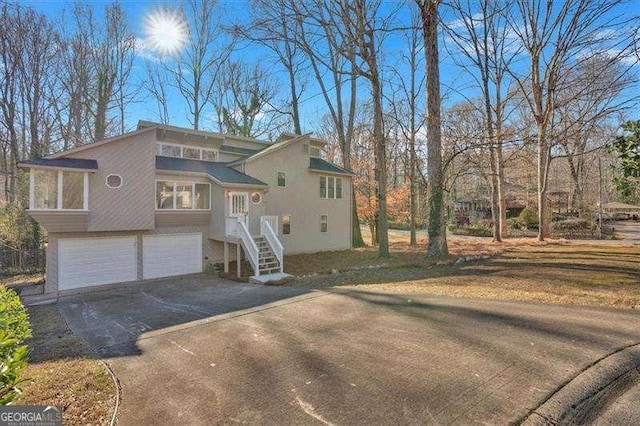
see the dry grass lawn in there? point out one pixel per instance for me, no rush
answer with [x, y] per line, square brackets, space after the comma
[559, 271]
[22, 280]
[61, 372]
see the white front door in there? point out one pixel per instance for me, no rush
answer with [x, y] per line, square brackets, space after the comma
[171, 254]
[239, 205]
[84, 262]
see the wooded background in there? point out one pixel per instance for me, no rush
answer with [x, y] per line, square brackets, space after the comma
[543, 88]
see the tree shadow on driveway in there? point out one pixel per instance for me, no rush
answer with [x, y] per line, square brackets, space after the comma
[111, 321]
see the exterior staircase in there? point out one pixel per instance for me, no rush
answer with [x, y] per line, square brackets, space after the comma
[265, 251]
[267, 261]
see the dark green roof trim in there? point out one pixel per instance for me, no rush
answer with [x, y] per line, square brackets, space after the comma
[63, 163]
[236, 150]
[220, 172]
[320, 165]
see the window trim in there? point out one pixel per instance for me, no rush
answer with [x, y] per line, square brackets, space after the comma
[259, 194]
[282, 223]
[334, 179]
[182, 146]
[106, 181]
[193, 191]
[278, 179]
[314, 155]
[326, 223]
[59, 196]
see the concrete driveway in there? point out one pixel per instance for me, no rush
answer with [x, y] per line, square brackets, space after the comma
[201, 350]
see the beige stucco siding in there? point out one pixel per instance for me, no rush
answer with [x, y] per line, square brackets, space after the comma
[130, 207]
[182, 218]
[301, 199]
[61, 221]
[218, 209]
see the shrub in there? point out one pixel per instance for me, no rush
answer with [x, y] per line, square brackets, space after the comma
[403, 226]
[473, 232]
[528, 217]
[514, 223]
[14, 330]
[482, 223]
[572, 225]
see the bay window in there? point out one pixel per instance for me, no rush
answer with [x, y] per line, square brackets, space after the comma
[182, 195]
[58, 190]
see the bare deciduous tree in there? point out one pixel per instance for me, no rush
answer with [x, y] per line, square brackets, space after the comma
[273, 26]
[436, 230]
[332, 61]
[406, 110]
[197, 69]
[556, 38]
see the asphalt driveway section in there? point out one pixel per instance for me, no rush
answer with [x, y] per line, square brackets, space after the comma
[628, 230]
[111, 321]
[354, 357]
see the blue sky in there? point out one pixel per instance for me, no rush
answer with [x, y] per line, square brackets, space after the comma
[455, 81]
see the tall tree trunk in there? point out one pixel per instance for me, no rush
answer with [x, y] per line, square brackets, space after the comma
[504, 228]
[495, 195]
[543, 175]
[437, 245]
[380, 152]
[412, 189]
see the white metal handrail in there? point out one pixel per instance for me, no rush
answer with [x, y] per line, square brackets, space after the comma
[272, 239]
[249, 246]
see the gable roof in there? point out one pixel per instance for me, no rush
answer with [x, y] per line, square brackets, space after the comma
[240, 151]
[142, 124]
[64, 163]
[320, 165]
[273, 148]
[98, 143]
[218, 172]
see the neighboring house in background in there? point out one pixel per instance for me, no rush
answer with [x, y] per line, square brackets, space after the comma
[164, 201]
[470, 209]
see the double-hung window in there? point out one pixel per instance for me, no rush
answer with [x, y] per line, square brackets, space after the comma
[282, 179]
[182, 195]
[286, 224]
[330, 187]
[324, 223]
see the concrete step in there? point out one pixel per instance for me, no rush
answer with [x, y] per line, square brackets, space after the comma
[269, 271]
[270, 265]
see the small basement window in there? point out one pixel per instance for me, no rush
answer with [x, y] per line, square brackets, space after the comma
[324, 223]
[286, 224]
[114, 181]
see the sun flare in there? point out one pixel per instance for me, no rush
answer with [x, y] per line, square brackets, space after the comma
[166, 31]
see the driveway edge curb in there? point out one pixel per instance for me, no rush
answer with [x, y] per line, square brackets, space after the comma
[582, 399]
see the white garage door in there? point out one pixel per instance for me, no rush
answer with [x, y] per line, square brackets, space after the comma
[171, 254]
[84, 262]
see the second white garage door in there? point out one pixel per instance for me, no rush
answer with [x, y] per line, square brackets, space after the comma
[171, 254]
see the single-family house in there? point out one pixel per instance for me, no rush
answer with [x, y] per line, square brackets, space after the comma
[164, 201]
